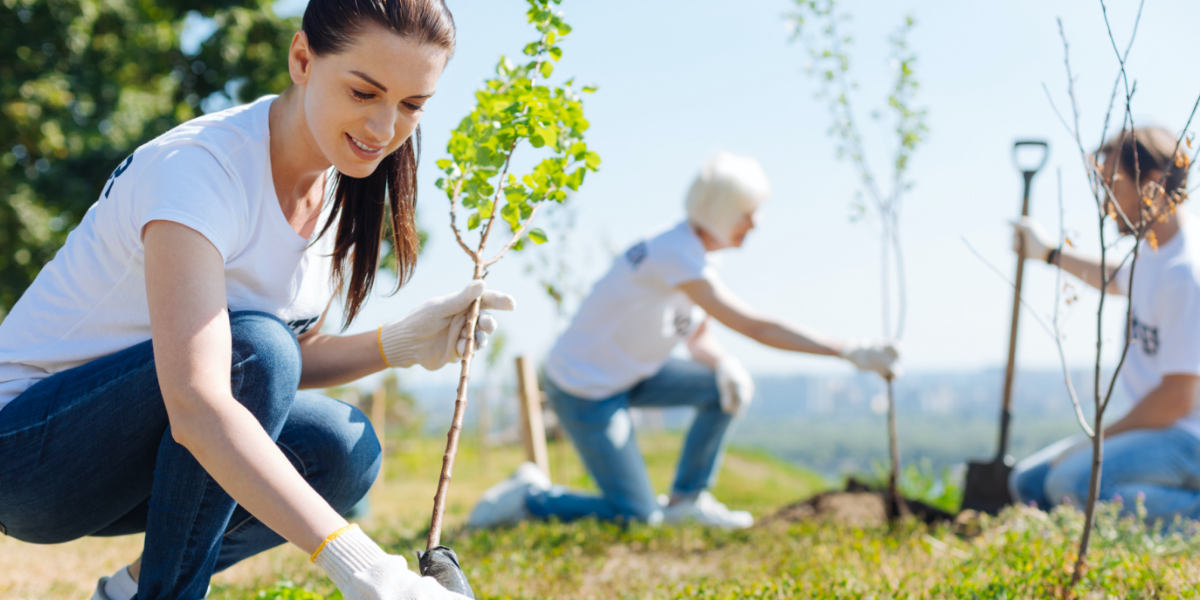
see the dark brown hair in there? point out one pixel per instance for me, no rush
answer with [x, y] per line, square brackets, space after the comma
[332, 26]
[1150, 149]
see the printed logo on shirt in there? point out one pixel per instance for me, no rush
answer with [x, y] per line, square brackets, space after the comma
[636, 254]
[1147, 335]
[683, 322]
[112, 179]
[301, 326]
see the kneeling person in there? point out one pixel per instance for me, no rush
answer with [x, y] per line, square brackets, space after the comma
[1154, 450]
[615, 356]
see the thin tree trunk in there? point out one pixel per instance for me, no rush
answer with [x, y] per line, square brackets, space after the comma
[900, 508]
[460, 410]
[1090, 508]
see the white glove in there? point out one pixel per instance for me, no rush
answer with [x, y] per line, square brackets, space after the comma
[735, 386]
[1037, 242]
[435, 332]
[363, 571]
[881, 357]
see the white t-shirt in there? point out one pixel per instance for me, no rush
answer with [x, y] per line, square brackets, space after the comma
[212, 174]
[626, 328]
[1166, 315]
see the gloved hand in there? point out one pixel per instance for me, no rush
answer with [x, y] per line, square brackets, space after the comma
[435, 332]
[1037, 242]
[881, 357]
[441, 563]
[735, 386]
[363, 571]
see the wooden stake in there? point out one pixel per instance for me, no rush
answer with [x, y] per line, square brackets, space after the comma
[533, 430]
[379, 420]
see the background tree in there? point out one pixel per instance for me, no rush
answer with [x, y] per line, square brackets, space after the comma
[817, 25]
[84, 82]
[516, 105]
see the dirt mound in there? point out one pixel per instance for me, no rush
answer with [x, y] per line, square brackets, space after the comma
[858, 506]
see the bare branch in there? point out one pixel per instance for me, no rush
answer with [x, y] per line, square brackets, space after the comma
[1122, 58]
[1032, 311]
[1062, 355]
[516, 235]
[453, 221]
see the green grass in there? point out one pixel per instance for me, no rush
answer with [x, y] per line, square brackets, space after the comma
[1022, 554]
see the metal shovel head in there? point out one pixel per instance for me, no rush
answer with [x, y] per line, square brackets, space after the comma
[987, 486]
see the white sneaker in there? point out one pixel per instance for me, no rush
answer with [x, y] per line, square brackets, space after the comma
[101, 594]
[707, 510]
[504, 503]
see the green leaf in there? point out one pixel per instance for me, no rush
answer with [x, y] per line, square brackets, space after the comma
[588, 89]
[538, 236]
[473, 221]
[546, 69]
[592, 160]
[556, 54]
[511, 215]
[445, 164]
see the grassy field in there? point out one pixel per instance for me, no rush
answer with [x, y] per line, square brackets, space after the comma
[1023, 554]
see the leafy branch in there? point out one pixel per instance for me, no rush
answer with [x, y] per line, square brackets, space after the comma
[517, 105]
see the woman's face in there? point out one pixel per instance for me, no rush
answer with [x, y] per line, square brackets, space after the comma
[743, 227]
[362, 103]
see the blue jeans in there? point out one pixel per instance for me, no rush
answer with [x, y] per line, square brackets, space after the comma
[603, 434]
[1161, 464]
[89, 451]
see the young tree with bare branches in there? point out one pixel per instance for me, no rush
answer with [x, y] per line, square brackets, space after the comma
[818, 25]
[1138, 180]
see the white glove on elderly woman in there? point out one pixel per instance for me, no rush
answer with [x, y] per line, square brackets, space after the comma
[363, 571]
[735, 386]
[881, 357]
[434, 334]
[1037, 242]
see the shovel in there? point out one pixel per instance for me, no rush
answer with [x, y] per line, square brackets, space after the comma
[987, 482]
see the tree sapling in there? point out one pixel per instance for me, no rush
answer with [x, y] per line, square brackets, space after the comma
[515, 105]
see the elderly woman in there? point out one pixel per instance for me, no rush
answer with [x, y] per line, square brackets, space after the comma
[615, 356]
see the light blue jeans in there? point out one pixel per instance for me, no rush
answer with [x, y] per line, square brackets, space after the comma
[603, 434]
[1161, 464]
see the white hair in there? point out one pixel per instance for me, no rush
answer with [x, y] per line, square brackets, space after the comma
[728, 188]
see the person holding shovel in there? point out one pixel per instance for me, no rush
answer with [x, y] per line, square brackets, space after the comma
[150, 377]
[1153, 452]
[615, 356]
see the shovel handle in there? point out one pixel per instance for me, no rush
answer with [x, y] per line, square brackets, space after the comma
[1017, 145]
[1011, 367]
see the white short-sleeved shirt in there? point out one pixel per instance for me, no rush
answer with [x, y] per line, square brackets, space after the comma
[211, 174]
[1166, 315]
[626, 328]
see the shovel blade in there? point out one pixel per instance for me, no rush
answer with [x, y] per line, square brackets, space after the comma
[987, 487]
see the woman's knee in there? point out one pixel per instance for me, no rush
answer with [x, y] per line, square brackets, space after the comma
[336, 447]
[266, 362]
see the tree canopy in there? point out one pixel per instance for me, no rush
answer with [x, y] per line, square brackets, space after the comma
[84, 82]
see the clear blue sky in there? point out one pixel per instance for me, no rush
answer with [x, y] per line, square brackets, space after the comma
[681, 80]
